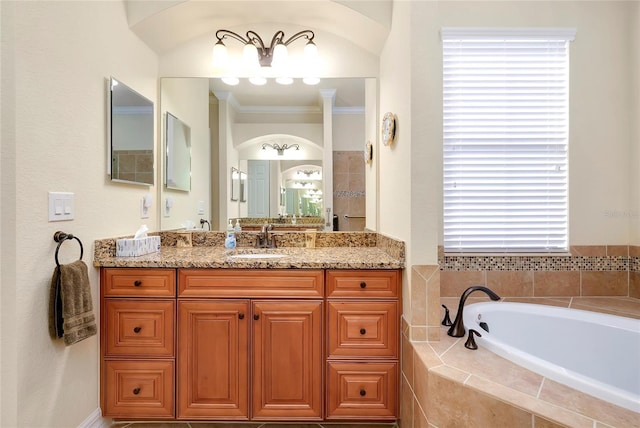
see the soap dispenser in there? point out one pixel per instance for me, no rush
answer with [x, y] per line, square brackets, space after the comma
[237, 227]
[230, 240]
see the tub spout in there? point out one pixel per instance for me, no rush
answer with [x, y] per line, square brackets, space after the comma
[457, 328]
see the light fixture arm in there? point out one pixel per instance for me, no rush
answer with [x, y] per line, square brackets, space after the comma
[308, 34]
[223, 34]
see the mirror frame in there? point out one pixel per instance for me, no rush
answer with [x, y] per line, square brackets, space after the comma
[149, 133]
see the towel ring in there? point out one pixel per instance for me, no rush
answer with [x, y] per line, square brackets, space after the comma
[60, 237]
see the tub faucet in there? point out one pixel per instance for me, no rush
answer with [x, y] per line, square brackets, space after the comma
[265, 240]
[457, 328]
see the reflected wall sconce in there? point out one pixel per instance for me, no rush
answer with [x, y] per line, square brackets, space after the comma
[265, 59]
[280, 149]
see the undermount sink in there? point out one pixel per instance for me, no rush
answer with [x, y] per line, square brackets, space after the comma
[257, 256]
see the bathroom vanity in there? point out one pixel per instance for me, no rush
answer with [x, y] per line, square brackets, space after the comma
[299, 335]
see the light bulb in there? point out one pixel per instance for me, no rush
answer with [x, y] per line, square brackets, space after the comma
[250, 55]
[311, 80]
[310, 51]
[220, 57]
[280, 55]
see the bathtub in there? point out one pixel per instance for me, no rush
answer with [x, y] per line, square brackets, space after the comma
[595, 353]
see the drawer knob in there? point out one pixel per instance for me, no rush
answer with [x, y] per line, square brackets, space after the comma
[363, 331]
[241, 316]
[363, 392]
[136, 391]
[256, 317]
[363, 284]
[137, 329]
[137, 283]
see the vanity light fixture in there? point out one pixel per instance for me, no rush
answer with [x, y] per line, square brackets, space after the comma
[271, 60]
[307, 172]
[280, 148]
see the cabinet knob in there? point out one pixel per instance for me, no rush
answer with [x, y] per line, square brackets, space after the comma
[137, 283]
[137, 329]
[136, 391]
[363, 392]
[241, 316]
[363, 284]
[363, 331]
[256, 317]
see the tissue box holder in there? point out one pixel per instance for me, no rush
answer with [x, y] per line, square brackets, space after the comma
[130, 247]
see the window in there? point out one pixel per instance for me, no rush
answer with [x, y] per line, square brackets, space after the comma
[505, 109]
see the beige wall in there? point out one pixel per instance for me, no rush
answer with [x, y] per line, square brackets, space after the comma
[54, 104]
[634, 52]
[188, 100]
[603, 182]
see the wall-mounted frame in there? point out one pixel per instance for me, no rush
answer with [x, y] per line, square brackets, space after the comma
[178, 154]
[243, 186]
[235, 184]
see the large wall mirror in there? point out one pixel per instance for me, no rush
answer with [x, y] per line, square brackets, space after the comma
[246, 122]
[130, 135]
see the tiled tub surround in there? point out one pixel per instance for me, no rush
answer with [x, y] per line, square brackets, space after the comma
[586, 271]
[444, 384]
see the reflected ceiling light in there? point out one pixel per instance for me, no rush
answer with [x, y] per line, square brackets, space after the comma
[258, 80]
[311, 80]
[259, 56]
[280, 149]
[231, 81]
[284, 80]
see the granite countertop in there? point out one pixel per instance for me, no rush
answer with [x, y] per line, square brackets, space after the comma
[334, 250]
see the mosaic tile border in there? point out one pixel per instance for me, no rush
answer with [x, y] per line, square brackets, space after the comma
[349, 194]
[546, 262]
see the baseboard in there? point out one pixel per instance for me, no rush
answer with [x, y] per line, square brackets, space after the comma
[95, 420]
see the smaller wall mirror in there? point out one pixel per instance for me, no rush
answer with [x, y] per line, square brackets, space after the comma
[235, 184]
[130, 133]
[178, 151]
[243, 186]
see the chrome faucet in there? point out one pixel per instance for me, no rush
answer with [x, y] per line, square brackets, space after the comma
[457, 328]
[265, 240]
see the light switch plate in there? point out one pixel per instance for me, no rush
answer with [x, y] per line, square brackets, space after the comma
[61, 206]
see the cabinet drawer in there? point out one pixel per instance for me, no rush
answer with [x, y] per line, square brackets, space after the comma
[139, 328]
[362, 390]
[142, 389]
[363, 329]
[362, 283]
[250, 283]
[138, 282]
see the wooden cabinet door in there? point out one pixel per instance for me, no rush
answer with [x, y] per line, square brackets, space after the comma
[287, 360]
[213, 359]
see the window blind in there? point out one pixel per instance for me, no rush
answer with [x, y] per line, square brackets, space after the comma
[505, 108]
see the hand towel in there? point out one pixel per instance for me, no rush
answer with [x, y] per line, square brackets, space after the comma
[70, 306]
